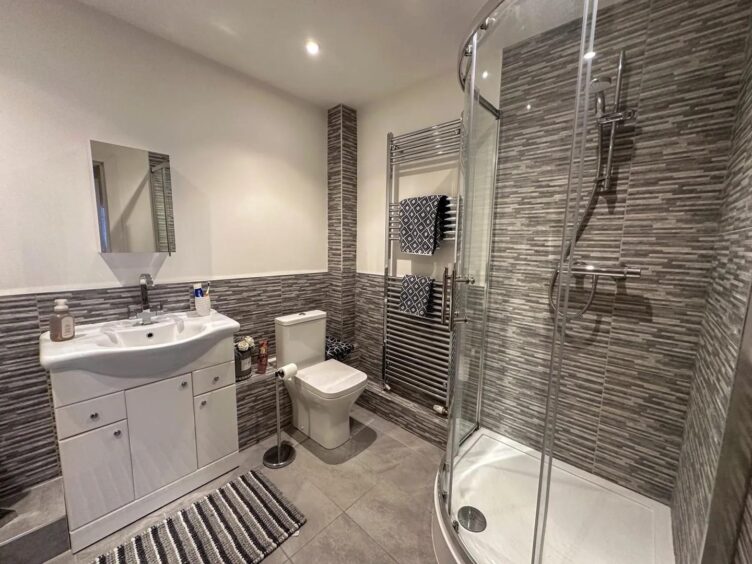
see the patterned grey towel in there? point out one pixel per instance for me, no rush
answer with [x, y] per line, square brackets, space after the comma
[415, 294]
[420, 224]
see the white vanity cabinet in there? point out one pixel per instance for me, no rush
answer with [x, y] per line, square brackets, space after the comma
[216, 425]
[163, 435]
[97, 469]
[130, 444]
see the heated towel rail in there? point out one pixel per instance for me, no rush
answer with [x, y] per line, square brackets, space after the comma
[417, 351]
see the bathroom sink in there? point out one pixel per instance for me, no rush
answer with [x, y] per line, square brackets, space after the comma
[165, 329]
[128, 347]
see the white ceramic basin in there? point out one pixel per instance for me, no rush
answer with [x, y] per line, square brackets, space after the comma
[127, 347]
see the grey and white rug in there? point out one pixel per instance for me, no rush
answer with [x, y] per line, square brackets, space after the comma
[243, 521]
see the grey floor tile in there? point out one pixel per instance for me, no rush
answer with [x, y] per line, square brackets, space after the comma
[276, 557]
[399, 523]
[341, 480]
[253, 456]
[342, 542]
[415, 472]
[367, 418]
[376, 451]
[318, 509]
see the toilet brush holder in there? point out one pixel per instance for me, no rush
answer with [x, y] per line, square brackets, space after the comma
[283, 453]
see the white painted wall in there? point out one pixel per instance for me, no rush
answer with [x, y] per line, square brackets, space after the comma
[433, 101]
[248, 162]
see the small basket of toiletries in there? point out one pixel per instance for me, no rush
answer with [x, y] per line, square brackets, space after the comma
[244, 350]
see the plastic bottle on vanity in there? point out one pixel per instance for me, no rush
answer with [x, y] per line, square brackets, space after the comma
[62, 325]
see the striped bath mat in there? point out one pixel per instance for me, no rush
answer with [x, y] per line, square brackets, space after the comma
[243, 521]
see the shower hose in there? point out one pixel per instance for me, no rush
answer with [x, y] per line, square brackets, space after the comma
[579, 229]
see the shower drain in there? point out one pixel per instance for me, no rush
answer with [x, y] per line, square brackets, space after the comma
[471, 519]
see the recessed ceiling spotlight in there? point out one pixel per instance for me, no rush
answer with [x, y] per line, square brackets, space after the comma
[589, 55]
[484, 75]
[312, 47]
[528, 107]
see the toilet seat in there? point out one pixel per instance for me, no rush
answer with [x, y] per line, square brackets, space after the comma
[331, 379]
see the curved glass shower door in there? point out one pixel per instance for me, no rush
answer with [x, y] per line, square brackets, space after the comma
[520, 198]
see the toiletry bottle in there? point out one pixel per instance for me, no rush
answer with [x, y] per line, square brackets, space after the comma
[263, 357]
[198, 291]
[62, 326]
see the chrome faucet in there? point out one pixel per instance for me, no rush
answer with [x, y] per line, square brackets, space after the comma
[146, 315]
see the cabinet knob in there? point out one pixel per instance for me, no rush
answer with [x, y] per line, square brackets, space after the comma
[215, 379]
[203, 403]
[94, 415]
[183, 384]
[117, 433]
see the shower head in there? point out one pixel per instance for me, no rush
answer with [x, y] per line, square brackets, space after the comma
[599, 84]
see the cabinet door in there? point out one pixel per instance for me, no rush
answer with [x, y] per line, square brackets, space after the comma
[216, 425]
[163, 438]
[96, 473]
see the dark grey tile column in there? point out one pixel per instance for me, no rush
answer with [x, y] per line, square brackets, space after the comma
[342, 175]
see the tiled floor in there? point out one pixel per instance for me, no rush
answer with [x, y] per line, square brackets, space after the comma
[368, 501]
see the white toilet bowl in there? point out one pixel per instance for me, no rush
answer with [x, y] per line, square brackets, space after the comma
[322, 396]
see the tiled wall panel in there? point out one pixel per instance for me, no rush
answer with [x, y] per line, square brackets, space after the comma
[369, 324]
[722, 325]
[342, 174]
[28, 448]
[629, 362]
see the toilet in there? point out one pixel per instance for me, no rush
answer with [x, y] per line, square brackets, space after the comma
[322, 391]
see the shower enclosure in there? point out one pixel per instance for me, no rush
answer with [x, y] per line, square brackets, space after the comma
[588, 134]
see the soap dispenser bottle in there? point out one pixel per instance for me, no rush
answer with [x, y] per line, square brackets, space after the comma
[62, 326]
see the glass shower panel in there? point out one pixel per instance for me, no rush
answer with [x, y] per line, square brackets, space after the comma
[520, 180]
[569, 296]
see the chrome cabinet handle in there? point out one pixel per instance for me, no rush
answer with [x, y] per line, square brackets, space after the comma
[94, 415]
[203, 403]
[117, 433]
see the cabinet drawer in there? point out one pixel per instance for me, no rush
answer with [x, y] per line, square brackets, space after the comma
[216, 425]
[213, 378]
[97, 474]
[87, 415]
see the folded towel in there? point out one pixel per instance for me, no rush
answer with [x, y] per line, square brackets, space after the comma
[415, 294]
[336, 349]
[420, 224]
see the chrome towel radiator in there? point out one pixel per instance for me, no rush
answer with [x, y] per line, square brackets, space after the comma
[417, 351]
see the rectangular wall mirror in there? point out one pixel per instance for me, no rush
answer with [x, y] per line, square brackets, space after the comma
[134, 199]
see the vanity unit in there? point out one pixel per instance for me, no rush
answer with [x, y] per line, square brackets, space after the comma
[144, 414]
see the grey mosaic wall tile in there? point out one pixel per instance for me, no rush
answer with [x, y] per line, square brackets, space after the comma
[369, 324]
[417, 419]
[28, 451]
[730, 276]
[628, 365]
[28, 447]
[342, 174]
[257, 410]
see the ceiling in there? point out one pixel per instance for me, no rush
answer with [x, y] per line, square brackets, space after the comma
[369, 48]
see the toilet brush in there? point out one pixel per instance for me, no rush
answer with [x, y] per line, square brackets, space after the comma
[283, 453]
